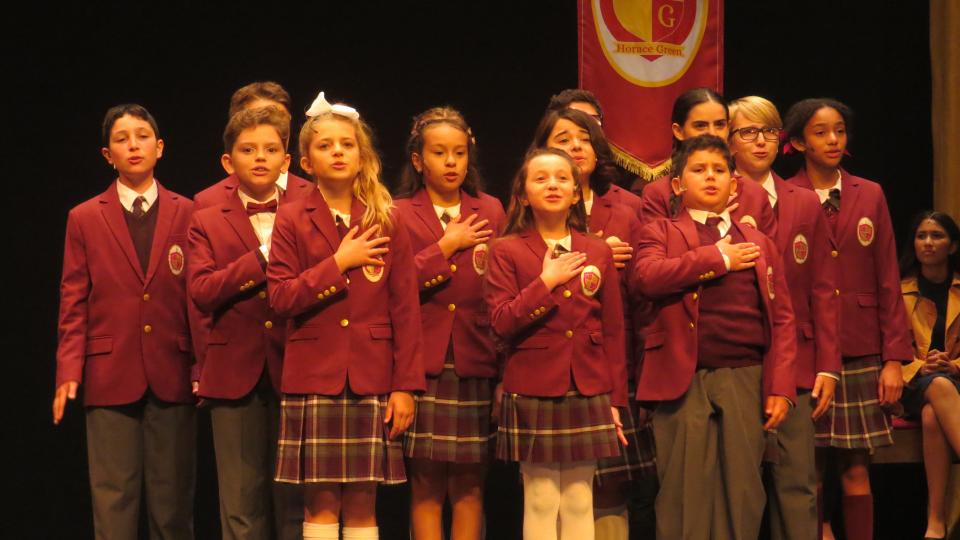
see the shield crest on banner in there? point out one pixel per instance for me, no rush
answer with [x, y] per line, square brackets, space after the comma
[590, 280]
[801, 249]
[865, 231]
[175, 259]
[479, 259]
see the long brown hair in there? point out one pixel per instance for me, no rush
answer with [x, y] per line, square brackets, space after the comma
[605, 172]
[520, 216]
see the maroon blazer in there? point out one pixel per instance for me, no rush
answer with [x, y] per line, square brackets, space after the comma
[872, 317]
[575, 331]
[615, 219]
[805, 243]
[222, 191]
[451, 290]
[227, 281]
[625, 197]
[753, 204]
[122, 332]
[362, 326]
[670, 267]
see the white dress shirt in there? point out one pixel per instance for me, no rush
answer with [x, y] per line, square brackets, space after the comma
[128, 196]
[263, 221]
[824, 193]
[452, 211]
[700, 216]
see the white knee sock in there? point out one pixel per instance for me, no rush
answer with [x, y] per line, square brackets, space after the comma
[611, 523]
[321, 531]
[541, 500]
[576, 500]
[361, 533]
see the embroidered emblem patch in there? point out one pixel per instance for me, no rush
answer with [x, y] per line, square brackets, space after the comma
[175, 259]
[770, 282]
[801, 249]
[372, 272]
[479, 259]
[748, 219]
[590, 280]
[865, 231]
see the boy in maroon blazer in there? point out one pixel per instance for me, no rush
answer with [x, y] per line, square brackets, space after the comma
[239, 373]
[252, 96]
[719, 355]
[124, 335]
[810, 262]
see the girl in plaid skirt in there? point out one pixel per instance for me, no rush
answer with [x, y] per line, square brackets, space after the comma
[874, 336]
[610, 218]
[342, 272]
[450, 222]
[555, 304]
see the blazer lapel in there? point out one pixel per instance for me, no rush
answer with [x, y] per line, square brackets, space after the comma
[688, 229]
[320, 215]
[236, 216]
[165, 215]
[765, 277]
[599, 214]
[423, 208]
[534, 243]
[785, 212]
[112, 212]
[850, 192]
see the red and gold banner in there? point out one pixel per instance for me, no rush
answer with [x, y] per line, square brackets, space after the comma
[637, 56]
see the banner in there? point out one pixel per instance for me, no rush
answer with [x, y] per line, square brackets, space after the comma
[637, 56]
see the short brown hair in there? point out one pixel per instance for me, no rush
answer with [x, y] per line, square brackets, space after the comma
[258, 90]
[251, 118]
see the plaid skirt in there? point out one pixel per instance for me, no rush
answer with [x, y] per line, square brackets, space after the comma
[636, 460]
[336, 439]
[855, 420]
[556, 430]
[452, 420]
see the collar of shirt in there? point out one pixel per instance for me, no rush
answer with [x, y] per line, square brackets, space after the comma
[245, 199]
[454, 211]
[345, 217]
[824, 194]
[770, 187]
[566, 242]
[282, 180]
[127, 196]
[588, 203]
[700, 216]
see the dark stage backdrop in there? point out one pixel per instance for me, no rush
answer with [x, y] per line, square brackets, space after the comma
[498, 62]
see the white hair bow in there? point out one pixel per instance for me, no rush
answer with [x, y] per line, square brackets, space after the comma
[321, 106]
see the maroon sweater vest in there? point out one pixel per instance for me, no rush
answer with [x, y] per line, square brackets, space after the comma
[731, 332]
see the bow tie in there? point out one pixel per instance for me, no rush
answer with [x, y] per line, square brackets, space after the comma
[256, 208]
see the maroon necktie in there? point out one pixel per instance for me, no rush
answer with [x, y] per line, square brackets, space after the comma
[713, 228]
[137, 207]
[256, 208]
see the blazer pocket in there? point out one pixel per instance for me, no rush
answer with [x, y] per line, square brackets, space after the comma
[381, 332]
[806, 330]
[867, 300]
[183, 343]
[534, 342]
[99, 345]
[654, 340]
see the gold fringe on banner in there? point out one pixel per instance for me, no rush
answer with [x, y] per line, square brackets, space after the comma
[647, 172]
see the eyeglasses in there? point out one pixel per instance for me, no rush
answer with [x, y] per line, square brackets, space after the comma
[749, 134]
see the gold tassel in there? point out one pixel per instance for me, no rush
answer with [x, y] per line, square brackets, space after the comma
[647, 172]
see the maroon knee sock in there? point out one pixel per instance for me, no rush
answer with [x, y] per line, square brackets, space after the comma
[858, 516]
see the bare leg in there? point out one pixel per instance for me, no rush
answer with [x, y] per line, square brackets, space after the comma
[465, 487]
[359, 505]
[936, 463]
[321, 503]
[942, 394]
[428, 487]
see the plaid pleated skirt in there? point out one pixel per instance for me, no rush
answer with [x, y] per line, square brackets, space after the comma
[452, 420]
[556, 430]
[855, 420]
[638, 459]
[336, 439]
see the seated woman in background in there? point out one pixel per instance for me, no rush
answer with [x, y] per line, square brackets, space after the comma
[931, 294]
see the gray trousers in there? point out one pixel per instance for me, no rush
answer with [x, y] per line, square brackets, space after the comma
[252, 505]
[710, 444]
[792, 481]
[145, 447]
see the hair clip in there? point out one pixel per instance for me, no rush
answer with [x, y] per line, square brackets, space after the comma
[321, 106]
